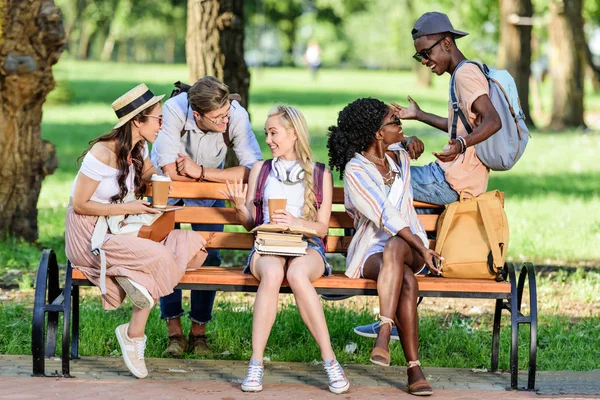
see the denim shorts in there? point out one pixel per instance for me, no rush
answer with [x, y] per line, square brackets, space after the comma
[429, 185]
[319, 247]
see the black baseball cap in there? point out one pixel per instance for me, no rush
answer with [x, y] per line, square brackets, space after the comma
[431, 23]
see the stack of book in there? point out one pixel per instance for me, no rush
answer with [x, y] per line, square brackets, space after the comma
[281, 240]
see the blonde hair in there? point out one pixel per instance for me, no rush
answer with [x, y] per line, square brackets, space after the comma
[292, 119]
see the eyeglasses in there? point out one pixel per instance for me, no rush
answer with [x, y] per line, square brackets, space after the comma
[219, 120]
[424, 54]
[159, 117]
[395, 121]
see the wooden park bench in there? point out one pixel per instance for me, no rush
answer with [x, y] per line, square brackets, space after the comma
[51, 299]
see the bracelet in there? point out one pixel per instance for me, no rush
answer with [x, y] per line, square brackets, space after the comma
[201, 177]
[463, 144]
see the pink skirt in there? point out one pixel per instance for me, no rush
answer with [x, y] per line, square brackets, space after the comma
[156, 266]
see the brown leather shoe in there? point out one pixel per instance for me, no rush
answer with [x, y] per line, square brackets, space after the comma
[198, 346]
[176, 347]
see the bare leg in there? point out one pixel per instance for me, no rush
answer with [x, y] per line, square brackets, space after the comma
[269, 271]
[302, 271]
[387, 269]
[407, 321]
[137, 324]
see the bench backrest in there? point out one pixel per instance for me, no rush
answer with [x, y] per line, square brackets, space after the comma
[337, 241]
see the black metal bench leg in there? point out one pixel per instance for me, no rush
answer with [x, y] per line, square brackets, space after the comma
[54, 297]
[75, 320]
[66, 325]
[528, 271]
[496, 335]
[514, 321]
[39, 314]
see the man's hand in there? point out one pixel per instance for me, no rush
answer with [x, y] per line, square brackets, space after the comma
[410, 112]
[186, 167]
[451, 151]
[414, 146]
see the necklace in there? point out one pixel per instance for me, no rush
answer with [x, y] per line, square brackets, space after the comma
[373, 157]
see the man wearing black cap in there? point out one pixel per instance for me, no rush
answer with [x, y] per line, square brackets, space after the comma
[457, 167]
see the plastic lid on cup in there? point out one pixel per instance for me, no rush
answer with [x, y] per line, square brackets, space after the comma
[160, 178]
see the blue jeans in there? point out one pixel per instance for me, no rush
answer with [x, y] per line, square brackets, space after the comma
[202, 301]
[429, 185]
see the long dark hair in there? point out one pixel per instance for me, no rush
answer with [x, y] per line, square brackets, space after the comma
[122, 136]
[356, 127]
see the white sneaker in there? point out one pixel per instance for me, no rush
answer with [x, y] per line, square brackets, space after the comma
[253, 380]
[133, 351]
[138, 294]
[338, 383]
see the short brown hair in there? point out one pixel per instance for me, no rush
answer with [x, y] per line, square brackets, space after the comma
[208, 94]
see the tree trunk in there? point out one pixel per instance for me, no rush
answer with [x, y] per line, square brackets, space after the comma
[423, 74]
[215, 46]
[87, 30]
[31, 40]
[514, 50]
[566, 64]
[215, 43]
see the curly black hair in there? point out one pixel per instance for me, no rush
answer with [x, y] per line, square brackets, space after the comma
[357, 124]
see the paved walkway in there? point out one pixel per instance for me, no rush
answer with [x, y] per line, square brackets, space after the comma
[98, 377]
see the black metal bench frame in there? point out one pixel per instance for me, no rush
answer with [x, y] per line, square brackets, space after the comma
[52, 300]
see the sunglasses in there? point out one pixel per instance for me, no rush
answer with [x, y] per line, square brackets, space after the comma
[424, 54]
[395, 121]
[159, 117]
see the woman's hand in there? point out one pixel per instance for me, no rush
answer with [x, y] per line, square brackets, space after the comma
[410, 112]
[236, 193]
[283, 217]
[432, 260]
[140, 207]
[414, 146]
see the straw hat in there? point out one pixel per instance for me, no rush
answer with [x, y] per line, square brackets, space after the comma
[133, 102]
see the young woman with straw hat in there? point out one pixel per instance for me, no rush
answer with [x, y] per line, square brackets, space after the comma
[117, 164]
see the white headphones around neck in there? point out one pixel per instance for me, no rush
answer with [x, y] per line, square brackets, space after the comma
[294, 175]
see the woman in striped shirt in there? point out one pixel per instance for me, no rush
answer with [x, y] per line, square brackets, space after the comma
[390, 245]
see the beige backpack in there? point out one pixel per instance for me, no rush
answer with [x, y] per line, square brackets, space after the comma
[473, 237]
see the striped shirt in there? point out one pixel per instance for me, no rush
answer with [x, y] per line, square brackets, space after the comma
[376, 214]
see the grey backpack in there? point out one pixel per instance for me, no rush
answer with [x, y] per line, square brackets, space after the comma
[502, 150]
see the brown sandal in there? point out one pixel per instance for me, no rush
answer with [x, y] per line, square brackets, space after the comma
[420, 387]
[380, 356]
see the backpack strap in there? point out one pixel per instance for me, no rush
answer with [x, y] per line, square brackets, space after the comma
[265, 170]
[454, 99]
[318, 174]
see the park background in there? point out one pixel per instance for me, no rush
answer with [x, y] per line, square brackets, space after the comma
[552, 195]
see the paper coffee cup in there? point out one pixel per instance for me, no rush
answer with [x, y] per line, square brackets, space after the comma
[160, 190]
[276, 204]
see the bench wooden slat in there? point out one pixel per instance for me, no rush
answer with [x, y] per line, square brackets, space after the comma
[227, 216]
[210, 190]
[235, 277]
